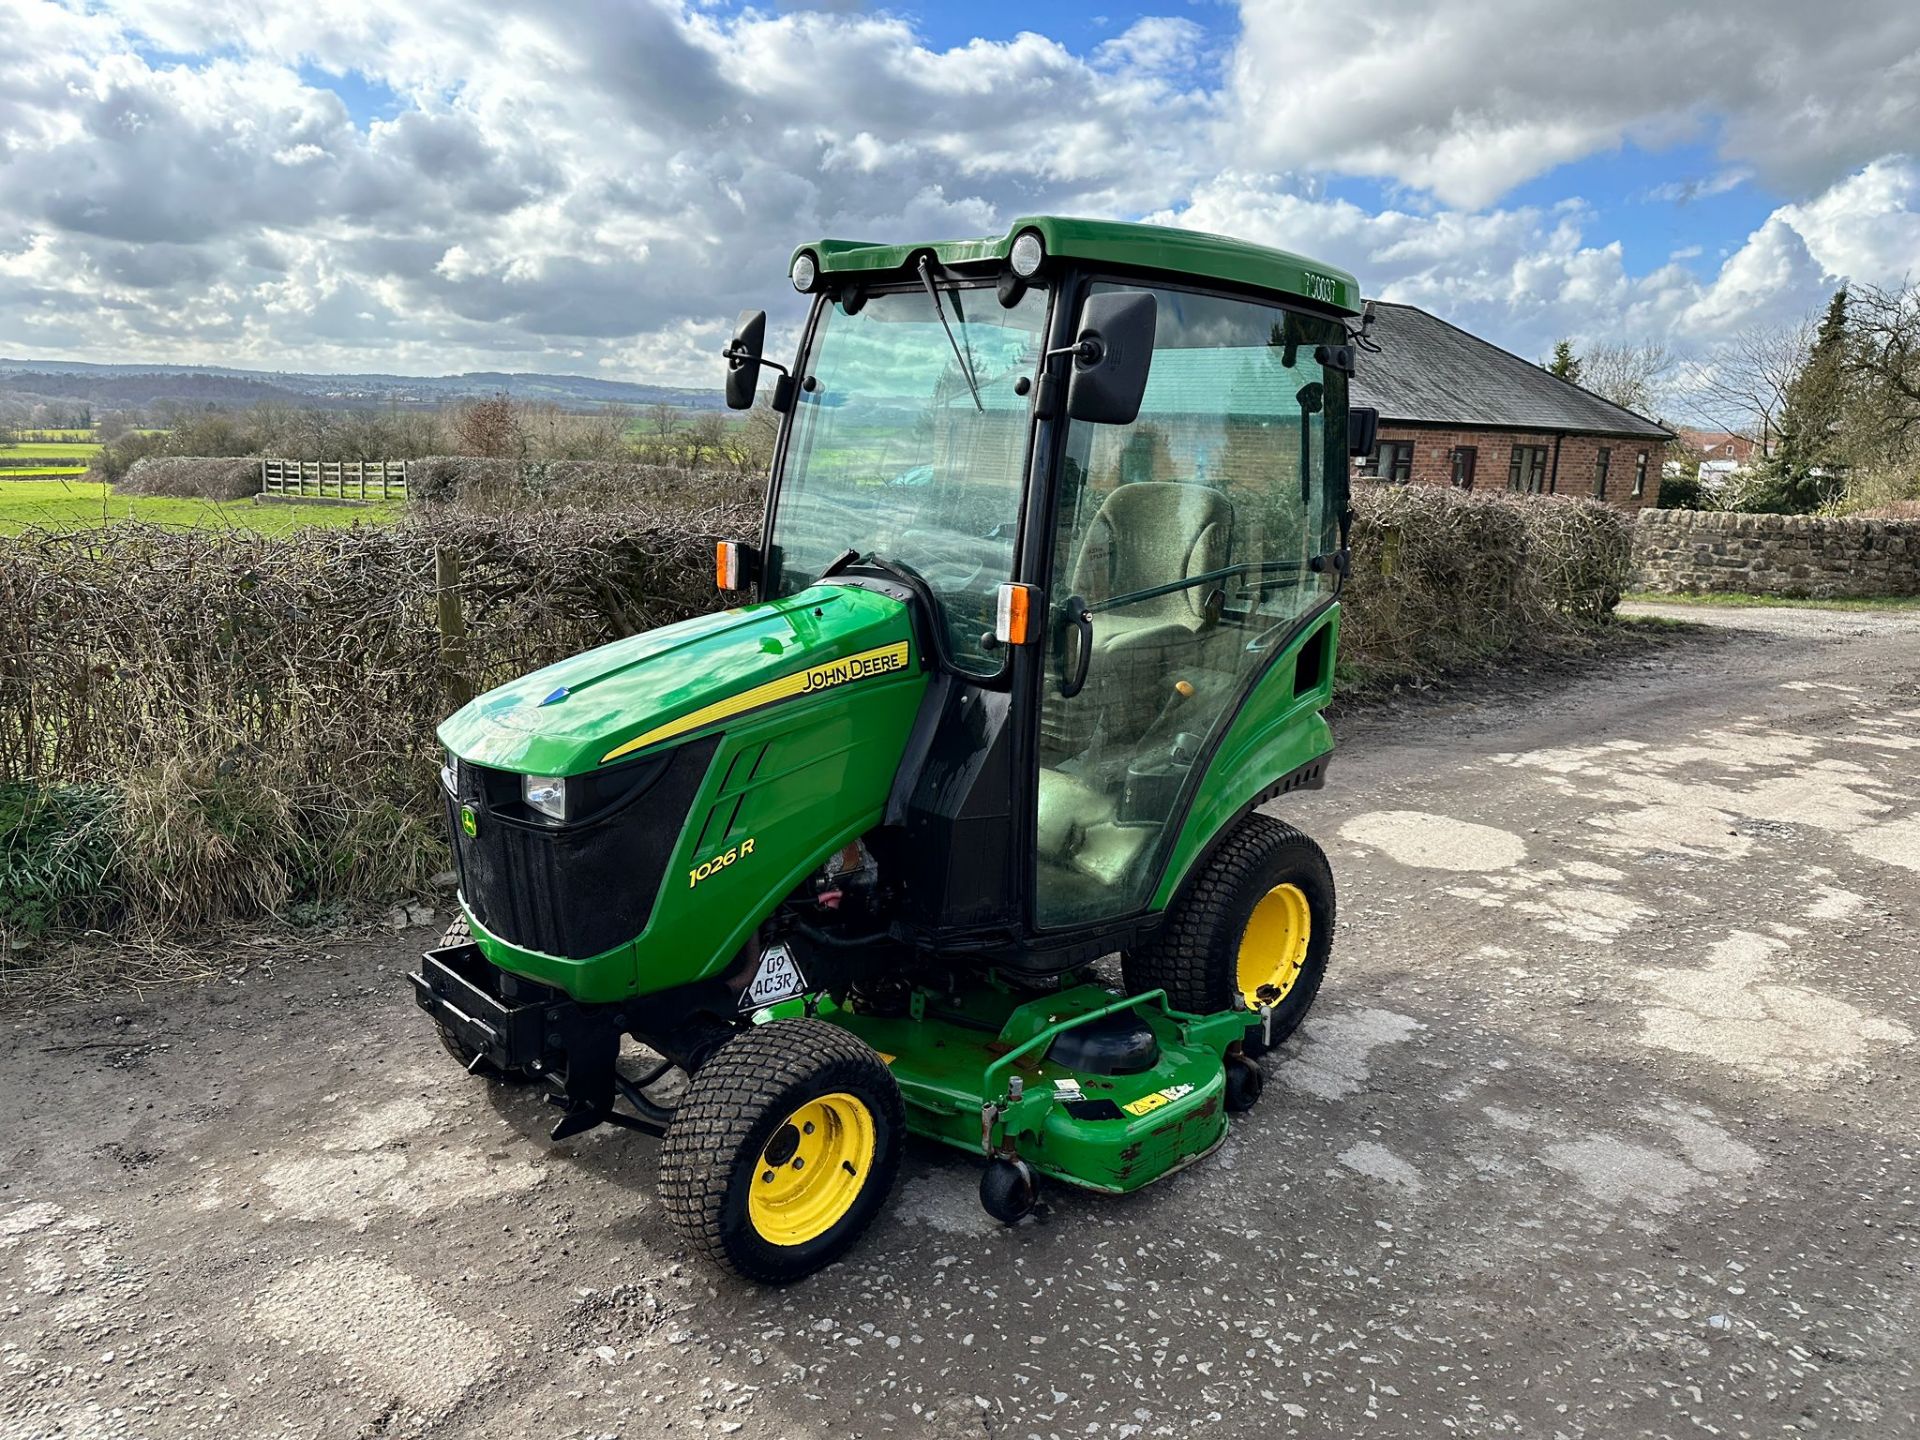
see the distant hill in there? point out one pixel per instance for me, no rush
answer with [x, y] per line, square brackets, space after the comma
[135, 385]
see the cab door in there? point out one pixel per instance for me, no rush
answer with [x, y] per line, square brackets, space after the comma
[1182, 549]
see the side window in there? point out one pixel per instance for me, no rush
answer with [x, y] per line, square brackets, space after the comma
[1601, 464]
[1640, 475]
[1397, 461]
[1527, 469]
[1392, 461]
[1187, 537]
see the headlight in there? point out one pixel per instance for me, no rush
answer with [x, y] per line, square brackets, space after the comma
[1027, 253]
[804, 272]
[545, 793]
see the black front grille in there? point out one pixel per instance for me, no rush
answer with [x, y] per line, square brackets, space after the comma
[579, 889]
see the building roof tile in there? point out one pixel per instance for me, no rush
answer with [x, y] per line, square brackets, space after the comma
[1431, 373]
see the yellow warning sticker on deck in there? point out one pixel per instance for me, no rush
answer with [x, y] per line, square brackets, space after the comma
[1148, 1103]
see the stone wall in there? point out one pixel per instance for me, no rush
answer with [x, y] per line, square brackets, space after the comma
[1808, 556]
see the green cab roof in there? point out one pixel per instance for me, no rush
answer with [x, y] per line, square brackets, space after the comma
[1117, 242]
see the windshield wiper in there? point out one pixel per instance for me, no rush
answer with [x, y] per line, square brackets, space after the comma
[966, 369]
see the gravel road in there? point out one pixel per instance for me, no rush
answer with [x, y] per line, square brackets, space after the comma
[1605, 1125]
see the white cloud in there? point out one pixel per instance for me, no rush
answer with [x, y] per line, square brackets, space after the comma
[603, 183]
[1469, 100]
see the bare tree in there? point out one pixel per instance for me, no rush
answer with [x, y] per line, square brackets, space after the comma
[490, 428]
[706, 436]
[1633, 375]
[1885, 354]
[1743, 382]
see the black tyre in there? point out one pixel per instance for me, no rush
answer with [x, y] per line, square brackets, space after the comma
[1009, 1190]
[783, 1149]
[459, 933]
[1256, 925]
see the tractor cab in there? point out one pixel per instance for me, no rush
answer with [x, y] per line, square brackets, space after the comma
[1043, 607]
[1135, 441]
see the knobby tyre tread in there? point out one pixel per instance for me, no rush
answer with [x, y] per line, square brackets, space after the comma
[1194, 957]
[731, 1108]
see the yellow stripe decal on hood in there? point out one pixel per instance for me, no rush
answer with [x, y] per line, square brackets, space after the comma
[868, 663]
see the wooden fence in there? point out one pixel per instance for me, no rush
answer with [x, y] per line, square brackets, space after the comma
[335, 479]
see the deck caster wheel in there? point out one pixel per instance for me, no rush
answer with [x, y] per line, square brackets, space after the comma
[1245, 1081]
[1009, 1190]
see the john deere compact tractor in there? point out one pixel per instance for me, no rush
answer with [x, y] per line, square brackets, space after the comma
[1043, 609]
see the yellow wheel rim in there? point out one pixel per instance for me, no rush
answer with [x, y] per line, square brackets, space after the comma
[1273, 951]
[812, 1170]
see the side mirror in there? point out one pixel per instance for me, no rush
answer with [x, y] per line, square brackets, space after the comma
[1111, 357]
[743, 359]
[1363, 430]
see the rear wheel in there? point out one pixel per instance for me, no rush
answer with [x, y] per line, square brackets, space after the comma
[783, 1149]
[1255, 928]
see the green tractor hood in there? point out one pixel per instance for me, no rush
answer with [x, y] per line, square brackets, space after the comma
[654, 689]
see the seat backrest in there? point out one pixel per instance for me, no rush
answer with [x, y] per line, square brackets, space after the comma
[1150, 533]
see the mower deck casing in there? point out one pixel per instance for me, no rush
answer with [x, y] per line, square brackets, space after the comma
[956, 1058]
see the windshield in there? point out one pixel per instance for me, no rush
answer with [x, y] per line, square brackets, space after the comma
[910, 446]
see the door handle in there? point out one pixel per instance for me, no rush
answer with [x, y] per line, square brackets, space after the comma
[1073, 675]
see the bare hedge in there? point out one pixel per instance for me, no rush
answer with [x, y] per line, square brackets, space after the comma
[192, 477]
[480, 484]
[250, 719]
[265, 707]
[1443, 579]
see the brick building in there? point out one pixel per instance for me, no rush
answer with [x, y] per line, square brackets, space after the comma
[1455, 410]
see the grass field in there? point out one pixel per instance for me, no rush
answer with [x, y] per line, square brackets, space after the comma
[58, 435]
[79, 449]
[69, 505]
[39, 472]
[1890, 602]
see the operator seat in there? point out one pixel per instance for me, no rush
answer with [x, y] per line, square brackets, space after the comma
[1148, 533]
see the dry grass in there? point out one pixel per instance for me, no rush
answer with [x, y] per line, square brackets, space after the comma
[263, 708]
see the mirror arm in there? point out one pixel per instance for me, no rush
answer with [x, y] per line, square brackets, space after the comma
[1087, 350]
[738, 355]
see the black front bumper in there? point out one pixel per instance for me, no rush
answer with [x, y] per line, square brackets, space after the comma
[522, 1028]
[466, 996]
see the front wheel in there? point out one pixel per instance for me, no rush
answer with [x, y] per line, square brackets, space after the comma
[1256, 927]
[783, 1149]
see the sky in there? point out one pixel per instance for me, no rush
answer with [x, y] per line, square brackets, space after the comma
[599, 186]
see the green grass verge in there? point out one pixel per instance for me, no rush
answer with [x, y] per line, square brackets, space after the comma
[69, 505]
[1740, 601]
[51, 449]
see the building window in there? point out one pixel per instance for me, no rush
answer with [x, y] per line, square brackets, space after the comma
[1640, 475]
[1392, 461]
[1463, 462]
[1527, 469]
[1601, 463]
